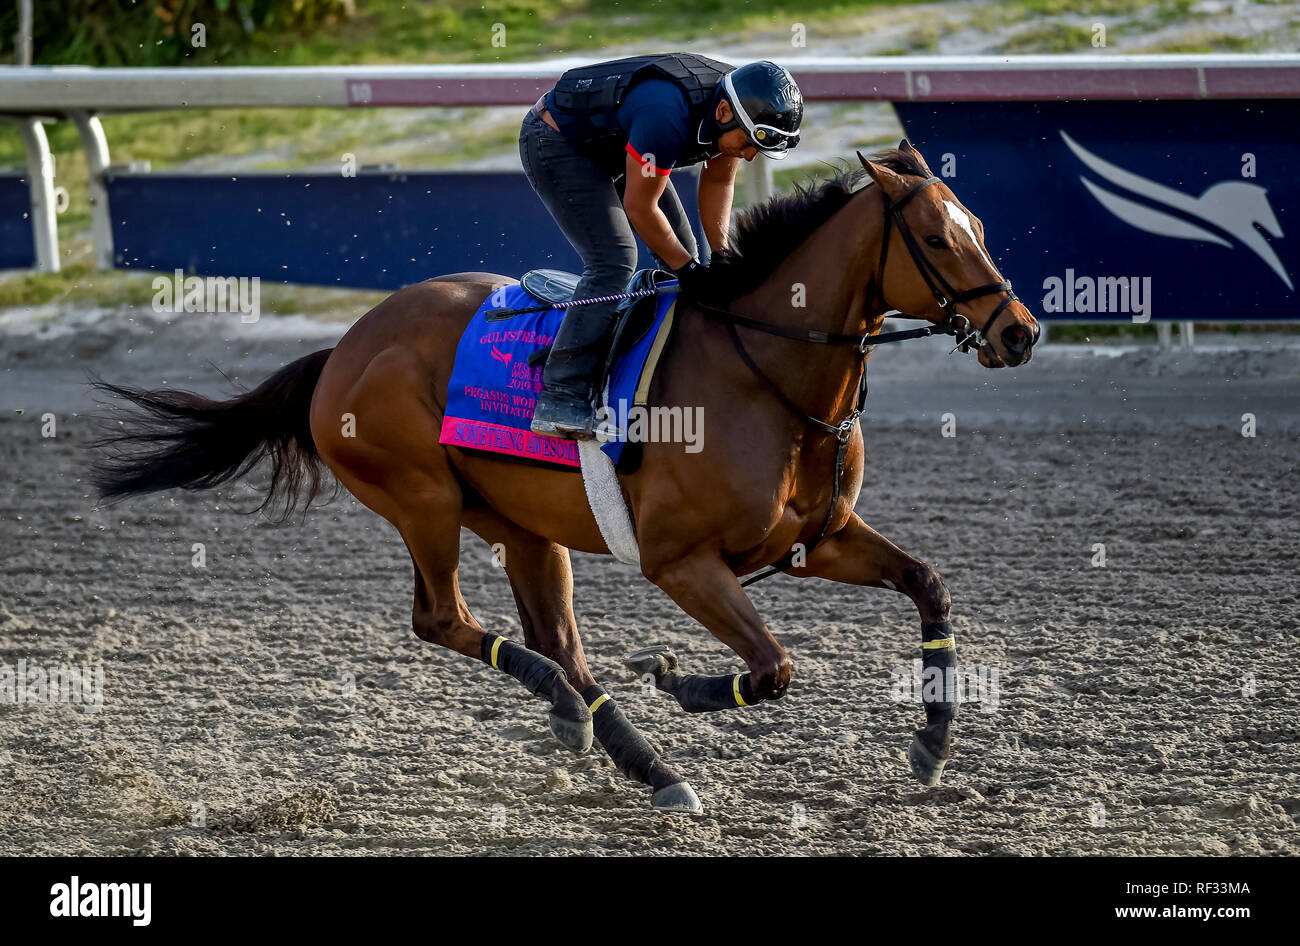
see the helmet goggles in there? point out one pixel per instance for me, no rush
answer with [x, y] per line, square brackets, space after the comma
[770, 140]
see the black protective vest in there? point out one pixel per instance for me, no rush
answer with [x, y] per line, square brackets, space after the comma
[590, 97]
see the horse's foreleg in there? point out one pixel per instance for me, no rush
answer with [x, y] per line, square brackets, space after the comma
[859, 555]
[542, 581]
[695, 693]
[704, 587]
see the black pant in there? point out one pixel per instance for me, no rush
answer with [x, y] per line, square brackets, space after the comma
[586, 201]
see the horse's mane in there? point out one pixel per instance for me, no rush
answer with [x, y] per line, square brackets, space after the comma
[767, 233]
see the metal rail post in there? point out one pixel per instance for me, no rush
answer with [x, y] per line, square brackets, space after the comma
[97, 162]
[40, 184]
[759, 185]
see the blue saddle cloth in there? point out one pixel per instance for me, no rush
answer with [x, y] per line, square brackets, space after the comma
[493, 388]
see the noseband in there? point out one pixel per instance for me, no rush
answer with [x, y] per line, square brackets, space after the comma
[945, 296]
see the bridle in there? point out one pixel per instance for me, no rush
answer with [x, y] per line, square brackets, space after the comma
[954, 324]
[945, 296]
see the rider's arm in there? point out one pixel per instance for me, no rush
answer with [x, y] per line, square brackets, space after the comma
[643, 185]
[717, 185]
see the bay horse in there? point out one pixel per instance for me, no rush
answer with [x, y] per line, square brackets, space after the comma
[776, 360]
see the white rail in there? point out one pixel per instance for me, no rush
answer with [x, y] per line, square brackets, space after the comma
[55, 89]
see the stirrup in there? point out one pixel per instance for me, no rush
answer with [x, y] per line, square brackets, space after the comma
[563, 417]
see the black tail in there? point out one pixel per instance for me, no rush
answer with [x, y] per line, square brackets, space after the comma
[178, 439]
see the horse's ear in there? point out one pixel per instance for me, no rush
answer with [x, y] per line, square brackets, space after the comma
[906, 147]
[889, 182]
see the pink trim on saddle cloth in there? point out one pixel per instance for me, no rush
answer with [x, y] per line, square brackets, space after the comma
[495, 438]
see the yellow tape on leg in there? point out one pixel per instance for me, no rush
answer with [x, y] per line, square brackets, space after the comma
[735, 689]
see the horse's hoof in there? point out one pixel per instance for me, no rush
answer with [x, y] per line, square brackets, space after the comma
[678, 797]
[575, 734]
[657, 660]
[926, 766]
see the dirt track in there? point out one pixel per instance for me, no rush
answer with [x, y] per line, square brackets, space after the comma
[1121, 727]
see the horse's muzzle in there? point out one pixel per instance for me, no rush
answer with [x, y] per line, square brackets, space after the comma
[1017, 339]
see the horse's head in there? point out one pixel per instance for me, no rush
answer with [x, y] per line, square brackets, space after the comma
[934, 265]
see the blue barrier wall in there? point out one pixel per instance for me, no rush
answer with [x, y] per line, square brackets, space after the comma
[17, 248]
[375, 230]
[1072, 193]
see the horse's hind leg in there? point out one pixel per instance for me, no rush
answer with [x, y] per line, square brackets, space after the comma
[542, 581]
[391, 468]
[859, 555]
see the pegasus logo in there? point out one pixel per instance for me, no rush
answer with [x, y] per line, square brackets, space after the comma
[500, 355]
[1234, 207]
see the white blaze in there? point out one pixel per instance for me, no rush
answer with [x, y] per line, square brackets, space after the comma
[960, 218]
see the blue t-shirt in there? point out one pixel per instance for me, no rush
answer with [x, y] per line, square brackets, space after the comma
[656, 118]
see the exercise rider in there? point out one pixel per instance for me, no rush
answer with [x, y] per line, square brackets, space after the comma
[598, 150]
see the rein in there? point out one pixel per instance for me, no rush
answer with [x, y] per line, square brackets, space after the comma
[955, 324]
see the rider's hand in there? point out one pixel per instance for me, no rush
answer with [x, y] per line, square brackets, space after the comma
[693, 277]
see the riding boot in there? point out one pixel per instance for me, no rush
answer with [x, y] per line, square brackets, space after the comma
[564, 408]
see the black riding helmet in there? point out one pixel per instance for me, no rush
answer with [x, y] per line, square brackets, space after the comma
[766, 102]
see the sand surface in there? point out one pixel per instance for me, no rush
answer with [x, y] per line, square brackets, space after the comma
[1147, 706]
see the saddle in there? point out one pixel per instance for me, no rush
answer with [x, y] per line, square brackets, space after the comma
[635, 316]
[494, 381]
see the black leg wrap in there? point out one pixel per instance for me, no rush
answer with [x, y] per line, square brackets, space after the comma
[535, 672]
[938, 676]
[630, 750]
[700, 694]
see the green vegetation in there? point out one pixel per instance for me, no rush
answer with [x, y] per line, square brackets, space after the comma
[376, 31]
[994, 15]
[79, 281]
[319, 32]
[1118, 16]
[163, 32]
[1126, 331]
[1204, 42]
[924, 39]
[1063, 38]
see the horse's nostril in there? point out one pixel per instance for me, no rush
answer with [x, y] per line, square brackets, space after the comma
[1015, 338]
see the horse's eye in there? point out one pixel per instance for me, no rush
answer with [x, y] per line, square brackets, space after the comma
[936, 242]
